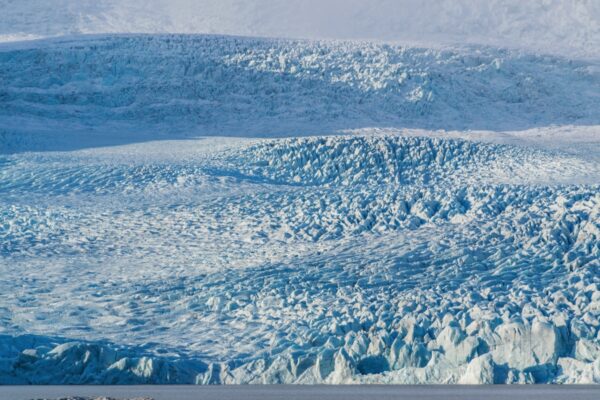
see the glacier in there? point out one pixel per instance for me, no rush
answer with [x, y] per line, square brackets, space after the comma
[221, 210]
[259, 87]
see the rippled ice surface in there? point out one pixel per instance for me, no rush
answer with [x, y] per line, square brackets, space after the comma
[366, 258]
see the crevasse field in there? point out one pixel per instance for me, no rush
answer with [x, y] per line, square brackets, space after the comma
[207, 209]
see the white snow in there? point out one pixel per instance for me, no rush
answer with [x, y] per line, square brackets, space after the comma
[217, 210]
[562, 27]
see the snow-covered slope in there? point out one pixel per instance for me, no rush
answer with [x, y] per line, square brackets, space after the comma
[556, 26]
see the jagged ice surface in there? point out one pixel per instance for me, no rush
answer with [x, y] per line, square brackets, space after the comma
[340, 259]
[384, 255]
[236, 86]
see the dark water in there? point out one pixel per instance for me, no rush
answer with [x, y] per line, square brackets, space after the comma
[532, 392]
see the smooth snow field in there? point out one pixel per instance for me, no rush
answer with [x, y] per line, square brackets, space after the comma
[228, 210]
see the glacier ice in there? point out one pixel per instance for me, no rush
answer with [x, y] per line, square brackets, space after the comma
[211, 85]
[229, 248]
[341, 260]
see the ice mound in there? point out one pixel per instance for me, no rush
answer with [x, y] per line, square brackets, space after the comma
[40, 360]
[325, 188]
[388, 161]
[240, 86]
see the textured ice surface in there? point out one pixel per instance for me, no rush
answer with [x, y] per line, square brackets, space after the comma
[170, 85]
[326, 259]
[383, 255]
